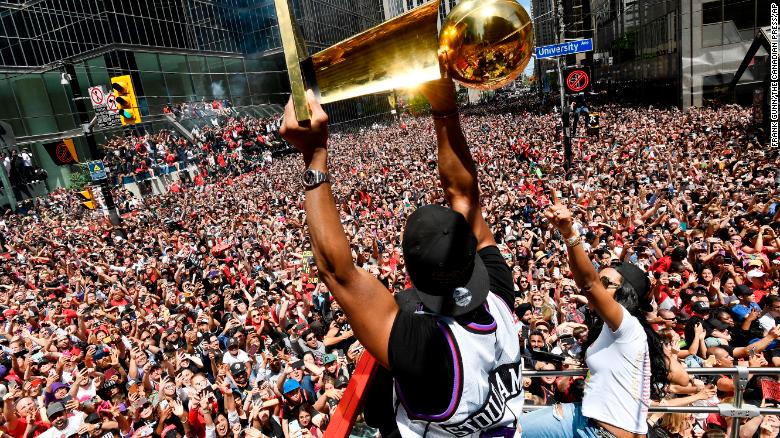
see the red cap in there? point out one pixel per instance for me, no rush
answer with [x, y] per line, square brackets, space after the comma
[9, 312]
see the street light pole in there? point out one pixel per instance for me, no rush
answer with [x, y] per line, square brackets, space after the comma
[567, 152]
[89, 136]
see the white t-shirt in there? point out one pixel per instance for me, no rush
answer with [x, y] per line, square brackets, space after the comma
[767, 322]
[617, 389]
[74, 423]
[89, 391]
[241, 357]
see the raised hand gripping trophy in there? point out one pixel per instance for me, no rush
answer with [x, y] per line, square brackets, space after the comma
[483, 44]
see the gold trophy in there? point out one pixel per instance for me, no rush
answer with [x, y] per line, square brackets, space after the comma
[483, 44]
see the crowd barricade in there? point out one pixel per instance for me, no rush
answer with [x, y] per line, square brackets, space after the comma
[736, 410]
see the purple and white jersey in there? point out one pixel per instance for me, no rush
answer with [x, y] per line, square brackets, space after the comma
[487, 395]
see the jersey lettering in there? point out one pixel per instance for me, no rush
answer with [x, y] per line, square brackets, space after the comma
[505, 383]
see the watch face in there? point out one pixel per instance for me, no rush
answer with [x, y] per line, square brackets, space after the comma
[309, 177]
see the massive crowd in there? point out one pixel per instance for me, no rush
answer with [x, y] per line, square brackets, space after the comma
[221, 141]
[205, 317]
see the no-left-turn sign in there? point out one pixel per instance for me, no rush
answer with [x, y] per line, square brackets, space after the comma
[111, 103]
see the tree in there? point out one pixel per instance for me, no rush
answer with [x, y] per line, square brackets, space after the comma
[79, 177]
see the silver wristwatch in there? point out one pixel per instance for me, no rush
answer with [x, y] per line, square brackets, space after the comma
[312, 178]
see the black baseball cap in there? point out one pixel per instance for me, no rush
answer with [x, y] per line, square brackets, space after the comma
[341, 382]
[238, 368]
[700, 307]
[638, 279]
[441, 257]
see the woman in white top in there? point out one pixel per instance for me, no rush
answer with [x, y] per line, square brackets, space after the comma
[624, 355]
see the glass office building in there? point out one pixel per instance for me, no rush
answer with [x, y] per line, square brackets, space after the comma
[681, 52]
[175, 50]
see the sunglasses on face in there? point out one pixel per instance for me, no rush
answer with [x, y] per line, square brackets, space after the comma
[607, 283]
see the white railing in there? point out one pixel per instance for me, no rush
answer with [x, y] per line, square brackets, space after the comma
[736, 410]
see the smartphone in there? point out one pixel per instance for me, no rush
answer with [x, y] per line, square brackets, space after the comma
[294, 427]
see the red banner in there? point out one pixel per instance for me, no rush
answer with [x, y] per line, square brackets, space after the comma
[770, 389]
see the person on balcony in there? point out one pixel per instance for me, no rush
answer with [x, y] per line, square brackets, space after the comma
[452, 347]
[625, 357]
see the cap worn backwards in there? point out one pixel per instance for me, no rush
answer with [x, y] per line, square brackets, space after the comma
[638, 279]
[440, 250]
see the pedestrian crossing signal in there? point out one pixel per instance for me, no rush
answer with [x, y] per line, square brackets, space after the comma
[87, 199]
[126, 101]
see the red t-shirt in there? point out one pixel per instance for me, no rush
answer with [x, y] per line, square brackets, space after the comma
[21, 426]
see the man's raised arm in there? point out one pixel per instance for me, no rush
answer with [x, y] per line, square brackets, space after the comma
[370, 308]
[457, 172]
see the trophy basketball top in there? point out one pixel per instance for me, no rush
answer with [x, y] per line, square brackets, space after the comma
[486, 44]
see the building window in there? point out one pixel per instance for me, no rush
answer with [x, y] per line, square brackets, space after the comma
[732, 21]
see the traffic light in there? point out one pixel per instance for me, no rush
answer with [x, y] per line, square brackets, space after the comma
[127, 104]
[87, 199]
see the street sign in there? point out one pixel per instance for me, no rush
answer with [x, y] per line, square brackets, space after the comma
[96, 96]
[111, 104]
[97, 170]
[576, 80]
[555, 50]
[106, 110]
[62, 152]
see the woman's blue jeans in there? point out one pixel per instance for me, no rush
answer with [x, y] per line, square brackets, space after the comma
[557, 421]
